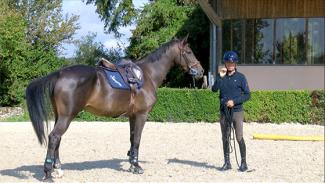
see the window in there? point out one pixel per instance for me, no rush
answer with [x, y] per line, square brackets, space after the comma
[232, 39]
[315, 44]
[276, 41]
[290, 41]
[258, 43]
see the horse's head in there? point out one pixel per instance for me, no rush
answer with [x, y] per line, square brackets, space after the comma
[187, 59]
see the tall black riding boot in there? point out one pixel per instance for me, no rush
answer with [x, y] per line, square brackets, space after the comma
[226, 165]
[242, 147]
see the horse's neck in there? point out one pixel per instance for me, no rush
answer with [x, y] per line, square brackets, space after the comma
[158, 70]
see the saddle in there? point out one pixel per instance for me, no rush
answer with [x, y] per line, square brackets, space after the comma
[130, 72]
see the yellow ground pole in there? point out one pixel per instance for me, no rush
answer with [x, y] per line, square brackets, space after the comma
[287, 137]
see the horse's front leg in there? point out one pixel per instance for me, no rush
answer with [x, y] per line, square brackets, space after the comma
[136, 126]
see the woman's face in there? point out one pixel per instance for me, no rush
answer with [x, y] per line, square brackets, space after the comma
[230, 66]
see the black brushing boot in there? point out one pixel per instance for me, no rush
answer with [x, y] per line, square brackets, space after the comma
[227, 164]
[242, 147]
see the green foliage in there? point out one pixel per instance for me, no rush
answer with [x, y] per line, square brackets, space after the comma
[120, 13]
[46, 25]
[115, 14]
[264, 106]
[188, 105]
[164, 20]
[20, 60]
[278, 106]
[158, 23]
[89, 52]
[86, 116]
[185, 105]
[13, 53]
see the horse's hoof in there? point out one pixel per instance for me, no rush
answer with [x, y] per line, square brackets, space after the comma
[47, 178]
[136, 169]
[57, 173]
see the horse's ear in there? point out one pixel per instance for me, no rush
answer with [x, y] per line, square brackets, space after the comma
[184, 40]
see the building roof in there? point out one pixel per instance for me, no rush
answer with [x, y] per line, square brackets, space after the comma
[218, 10]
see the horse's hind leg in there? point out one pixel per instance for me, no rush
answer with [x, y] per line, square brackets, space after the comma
[53, 145]
[57, 162]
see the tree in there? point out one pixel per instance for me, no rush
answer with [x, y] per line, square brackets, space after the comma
[119, 13]
[89, 52]
[164, 20]
[12, 48]
[115, 13]
[46, 26]
[20, 60]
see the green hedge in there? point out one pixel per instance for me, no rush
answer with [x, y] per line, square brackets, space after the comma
[264, 106]
[188, 105]
[284, 106]
[185, 105]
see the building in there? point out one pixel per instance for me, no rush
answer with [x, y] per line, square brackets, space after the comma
[280, 42]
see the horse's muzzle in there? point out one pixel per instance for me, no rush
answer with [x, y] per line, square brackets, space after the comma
[197, 73]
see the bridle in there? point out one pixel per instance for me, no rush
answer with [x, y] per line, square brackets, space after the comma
[188, 62]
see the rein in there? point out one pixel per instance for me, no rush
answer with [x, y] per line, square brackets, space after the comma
[229, 126]
[229, 122]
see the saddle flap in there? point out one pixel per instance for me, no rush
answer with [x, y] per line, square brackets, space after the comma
[116, 80]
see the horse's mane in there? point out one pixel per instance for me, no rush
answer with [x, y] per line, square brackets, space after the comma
[156, 55]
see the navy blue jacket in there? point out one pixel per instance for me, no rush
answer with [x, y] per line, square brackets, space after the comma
[234, 87]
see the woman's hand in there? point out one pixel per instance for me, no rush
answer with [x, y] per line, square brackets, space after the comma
[223, 72]
[230, 103]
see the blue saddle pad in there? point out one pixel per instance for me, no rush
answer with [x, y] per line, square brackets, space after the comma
[115, 80]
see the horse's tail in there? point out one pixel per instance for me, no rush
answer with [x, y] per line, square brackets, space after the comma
[39, 94]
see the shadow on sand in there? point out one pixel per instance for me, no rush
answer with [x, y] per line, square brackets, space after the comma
[36, 171]
[191, 163]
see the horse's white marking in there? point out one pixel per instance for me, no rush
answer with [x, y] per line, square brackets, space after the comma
[57, 173]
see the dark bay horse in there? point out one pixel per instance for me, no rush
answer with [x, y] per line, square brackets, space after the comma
[68, 91]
